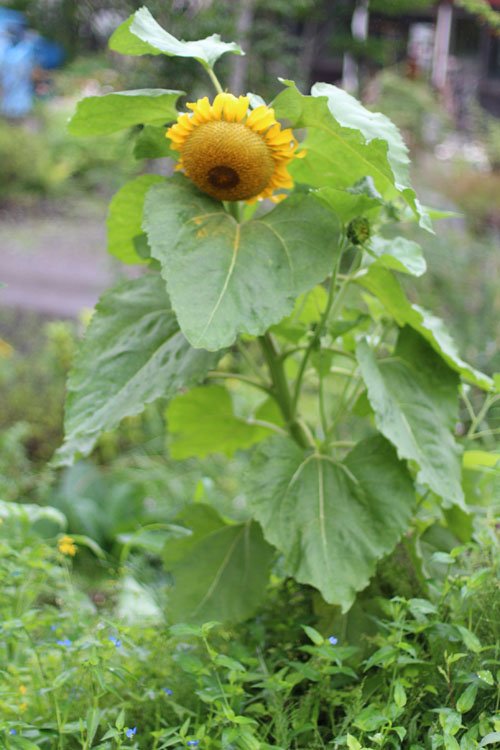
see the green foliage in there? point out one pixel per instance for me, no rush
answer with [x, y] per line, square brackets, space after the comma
[124, 221]
[405, 398]
[77, 673]
[202, 422]
[32, 384]
[215, 267]
[134, 326]
[101, 115]
[388, 290]
[300, 303]
[25, 166]
[141, 34]
[48, 162]
[223, 571]
[483, 10]
[346, 143]
[331, 520]
[390, 7]
[412, 106]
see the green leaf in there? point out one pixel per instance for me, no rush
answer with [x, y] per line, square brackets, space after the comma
[226, 278]
[361, 199]
[384, 285]
[92, 722]
[124, 220]
[470, 640]
[490, 739]
[199, 520]
[223, 576]
[202, 422]
[450, 720]
[481, 460]
[133, 353]
[348, 205]
[370, 719]
[101, 115]
[332, 521]
[486, 676]
[32, 513]
[450, 742]
[353, 743]
[142, 35]
[346, 143]
[399, 254]
[152, 144]
[467, 699]
[400, 698]
[414, 397]
[313, 635]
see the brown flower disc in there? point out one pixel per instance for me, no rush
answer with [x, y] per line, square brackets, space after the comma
[227, 160]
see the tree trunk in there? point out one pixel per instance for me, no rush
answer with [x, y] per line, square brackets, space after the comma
[245, 12]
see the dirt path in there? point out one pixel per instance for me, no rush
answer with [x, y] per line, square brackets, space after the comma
[53, 259]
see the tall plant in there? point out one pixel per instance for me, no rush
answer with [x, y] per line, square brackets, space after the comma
[356, 386]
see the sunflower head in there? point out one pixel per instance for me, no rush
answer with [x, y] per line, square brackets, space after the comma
[233, 153]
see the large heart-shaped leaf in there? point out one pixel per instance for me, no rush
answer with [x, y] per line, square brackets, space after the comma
[384, 285]
[415, 399]
[222, 574]
[346, 143]
[142, 35]
[331, 520]
[226, 278]
[132, 354]
[101, 115]
[202, 421]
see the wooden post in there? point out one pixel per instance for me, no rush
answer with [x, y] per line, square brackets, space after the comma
[244, 19]
[359, 28]
[442, 44]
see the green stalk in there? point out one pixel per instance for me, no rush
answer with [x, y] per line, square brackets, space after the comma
[281, 391]
[214, 79]
[319, 329]
[216, 375]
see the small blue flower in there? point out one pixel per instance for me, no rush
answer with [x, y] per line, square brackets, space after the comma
[193, 743]
[12, 731]
[116, 641]
[130, 732]
[64, 642]
[53, 627]
[168, 691]
[333, 640]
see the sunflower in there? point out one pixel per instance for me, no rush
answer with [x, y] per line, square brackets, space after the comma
[233, 153]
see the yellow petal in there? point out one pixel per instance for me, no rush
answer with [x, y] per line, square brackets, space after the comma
[242, 108]
[202, 111]
[261, 119]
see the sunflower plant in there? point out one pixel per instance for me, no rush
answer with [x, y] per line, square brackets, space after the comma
[277, 332]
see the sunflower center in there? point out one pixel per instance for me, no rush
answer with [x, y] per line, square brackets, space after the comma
[227, 160]
[223, 177]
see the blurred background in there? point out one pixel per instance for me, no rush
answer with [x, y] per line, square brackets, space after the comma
[432, 67]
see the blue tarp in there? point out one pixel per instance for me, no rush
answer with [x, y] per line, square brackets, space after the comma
[21, 50]
[11, 17]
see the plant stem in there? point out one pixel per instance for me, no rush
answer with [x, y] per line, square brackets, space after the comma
[476, 422]
[281, 391]
[215, 80]
[215, 375]
[319, 329]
